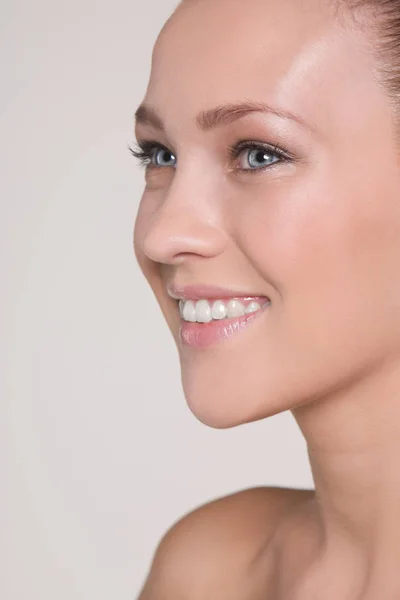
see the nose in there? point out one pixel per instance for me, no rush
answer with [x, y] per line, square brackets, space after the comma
[179, 228]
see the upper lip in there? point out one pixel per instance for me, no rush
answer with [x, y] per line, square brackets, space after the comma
[202, 290]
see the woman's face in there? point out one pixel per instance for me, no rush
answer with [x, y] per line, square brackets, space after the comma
[315, 230]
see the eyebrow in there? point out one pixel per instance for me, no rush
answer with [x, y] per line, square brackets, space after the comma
[218, 116]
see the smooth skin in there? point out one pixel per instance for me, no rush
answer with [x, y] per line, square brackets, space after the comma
[320, 236]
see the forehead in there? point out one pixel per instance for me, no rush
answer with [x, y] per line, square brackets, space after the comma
[285, 52]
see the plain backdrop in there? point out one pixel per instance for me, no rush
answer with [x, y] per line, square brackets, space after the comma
[99, 453]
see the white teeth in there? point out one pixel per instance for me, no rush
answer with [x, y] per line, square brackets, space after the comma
[235, 309]
[203, 311]
[189, 311]
[219, 310]
[252, 307]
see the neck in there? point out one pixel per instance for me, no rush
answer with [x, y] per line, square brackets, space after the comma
[354, 448]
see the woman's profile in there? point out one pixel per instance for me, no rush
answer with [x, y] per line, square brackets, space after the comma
[269, 232]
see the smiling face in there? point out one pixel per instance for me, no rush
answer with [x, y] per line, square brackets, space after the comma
[314, 225]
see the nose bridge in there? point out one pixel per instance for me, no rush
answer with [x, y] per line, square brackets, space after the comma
[186, 221]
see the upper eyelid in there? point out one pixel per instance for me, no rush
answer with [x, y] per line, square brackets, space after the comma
[143, 143]
[151, 145]
[145, 146]
[273, 148]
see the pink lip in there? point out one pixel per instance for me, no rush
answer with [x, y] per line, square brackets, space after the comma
[198, 292]
[202, 335]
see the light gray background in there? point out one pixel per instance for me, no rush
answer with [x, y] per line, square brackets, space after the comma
[99, 452]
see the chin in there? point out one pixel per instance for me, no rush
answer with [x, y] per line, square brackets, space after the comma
[267, 370]
[224, 403]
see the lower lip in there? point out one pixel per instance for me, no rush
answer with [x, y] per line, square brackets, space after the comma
[203, 335]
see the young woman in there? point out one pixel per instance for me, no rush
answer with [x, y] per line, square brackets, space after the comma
[269, 231]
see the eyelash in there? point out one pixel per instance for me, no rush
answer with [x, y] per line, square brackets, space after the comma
[147, 149]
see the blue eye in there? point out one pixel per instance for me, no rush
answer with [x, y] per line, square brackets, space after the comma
[254, 156]
[163, 157]
[153, 155]
[257, 156]
[260, 158]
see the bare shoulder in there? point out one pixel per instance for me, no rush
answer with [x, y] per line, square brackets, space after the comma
[214, 546]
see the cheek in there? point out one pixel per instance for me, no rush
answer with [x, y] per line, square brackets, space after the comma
[331, 321]
[289, 235]
[314, 232]
[330, 255]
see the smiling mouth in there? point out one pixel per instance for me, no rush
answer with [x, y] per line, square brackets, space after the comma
[206, 311]
[200, 329]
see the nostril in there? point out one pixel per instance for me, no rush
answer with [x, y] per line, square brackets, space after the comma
[175, 241]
